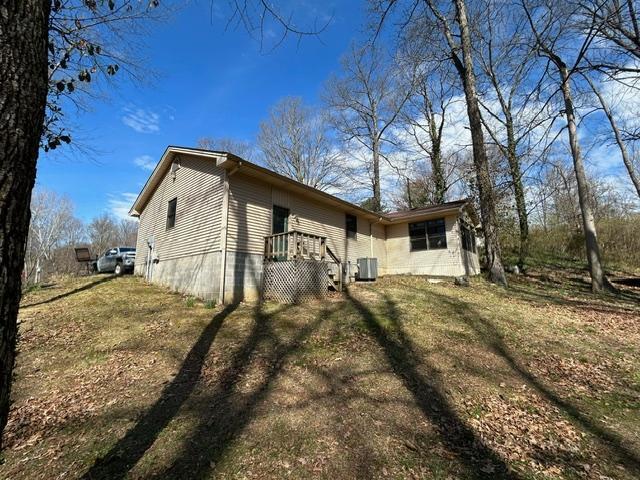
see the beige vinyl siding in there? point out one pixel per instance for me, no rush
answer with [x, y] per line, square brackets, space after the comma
[249, 214]
[401, 260]
[379, 246]
[330, 222]
[198, 186]
[250, 205]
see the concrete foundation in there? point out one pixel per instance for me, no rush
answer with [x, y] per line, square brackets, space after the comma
[197, 275]
[243, 277]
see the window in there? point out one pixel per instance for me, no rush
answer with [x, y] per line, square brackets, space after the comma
[279, 220]
[351, 225]
[437, 233]
[171, 213]
[428, 235]
[468, 239]
[418, 236]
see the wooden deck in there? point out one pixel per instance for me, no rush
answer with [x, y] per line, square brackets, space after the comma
[299, 266]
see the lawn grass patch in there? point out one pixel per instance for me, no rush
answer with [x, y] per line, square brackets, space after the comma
[400, 378]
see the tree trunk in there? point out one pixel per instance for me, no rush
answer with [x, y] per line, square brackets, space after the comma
[436, 161]
[481, 163]
[23, 93]
[619, 140]
[377, 196]
[588, 221]
[518, 193]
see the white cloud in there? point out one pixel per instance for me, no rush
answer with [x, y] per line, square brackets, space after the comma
[146, 162]
[142, 121]
[120, 205]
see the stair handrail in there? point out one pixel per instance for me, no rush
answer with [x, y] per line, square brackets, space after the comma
[339, 262]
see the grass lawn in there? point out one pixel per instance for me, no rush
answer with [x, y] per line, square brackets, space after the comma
[401, 378]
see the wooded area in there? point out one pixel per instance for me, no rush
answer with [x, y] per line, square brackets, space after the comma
[525, 106]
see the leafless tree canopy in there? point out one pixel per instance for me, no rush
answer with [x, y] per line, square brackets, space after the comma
[241, 148]
[294, 141]
[365, 101]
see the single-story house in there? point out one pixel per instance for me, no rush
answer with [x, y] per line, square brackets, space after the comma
[210, 220]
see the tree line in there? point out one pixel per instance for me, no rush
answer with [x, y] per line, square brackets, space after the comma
[55, 231]
[507, 102]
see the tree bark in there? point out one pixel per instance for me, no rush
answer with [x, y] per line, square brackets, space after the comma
[518, 192]
[588, 221]
[23, 93]
[439, 181]
[481, 163]
[377, 195]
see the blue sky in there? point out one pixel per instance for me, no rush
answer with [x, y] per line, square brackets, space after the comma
[210, 82]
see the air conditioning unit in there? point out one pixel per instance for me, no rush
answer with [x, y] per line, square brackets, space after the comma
[367, 268]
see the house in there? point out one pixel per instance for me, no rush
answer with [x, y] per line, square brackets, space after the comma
[210, 220]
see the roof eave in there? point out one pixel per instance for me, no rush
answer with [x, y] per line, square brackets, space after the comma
[157, 174]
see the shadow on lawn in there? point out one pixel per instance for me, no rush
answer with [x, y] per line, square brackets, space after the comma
[492, 337]
[223, 413]
[71, 292]
[479, 460]
[125, 454]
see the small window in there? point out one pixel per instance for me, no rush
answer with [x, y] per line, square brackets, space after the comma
[428, 235]
[171, 213]
[418, 236]
[351, 225]
[468, 239]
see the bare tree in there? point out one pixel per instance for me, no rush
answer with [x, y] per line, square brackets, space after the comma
[452, 20]
[617, 134]
[241, 148]
[516, 120]
[554, 40]
[425, 113]
[52, 222]
[295, 142]
[127, 232]
[365, 102]
[103, 232]
[618, 24]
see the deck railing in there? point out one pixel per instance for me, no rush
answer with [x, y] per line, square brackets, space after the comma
[294, 245]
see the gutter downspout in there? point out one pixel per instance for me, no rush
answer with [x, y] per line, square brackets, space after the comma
[224, 230]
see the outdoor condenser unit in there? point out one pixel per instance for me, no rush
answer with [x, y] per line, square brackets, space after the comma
[367, 268]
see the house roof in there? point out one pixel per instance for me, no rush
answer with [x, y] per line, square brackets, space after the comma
[428, 210]
[229, 161]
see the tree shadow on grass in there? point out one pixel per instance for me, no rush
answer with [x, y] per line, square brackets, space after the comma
[126, 453]
[226, 411]
[223, 413]
[492, 337]
[478, 459]
[71, 292]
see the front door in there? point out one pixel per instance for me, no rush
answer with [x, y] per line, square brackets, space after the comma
[280, 224]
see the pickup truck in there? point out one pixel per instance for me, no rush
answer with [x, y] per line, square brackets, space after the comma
[117, 260]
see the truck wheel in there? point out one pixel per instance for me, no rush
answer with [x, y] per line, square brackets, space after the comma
[119, 270]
